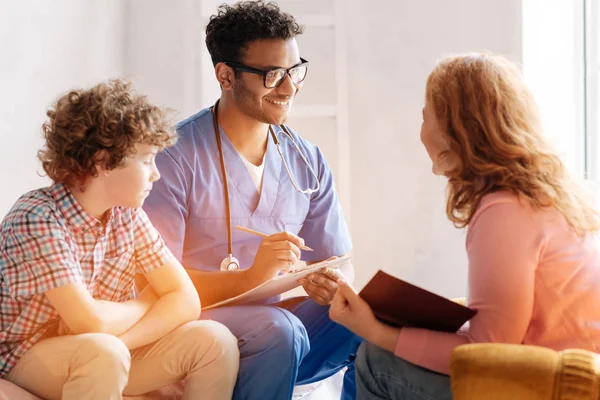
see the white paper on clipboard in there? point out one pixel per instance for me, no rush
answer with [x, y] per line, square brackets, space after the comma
[279, 284]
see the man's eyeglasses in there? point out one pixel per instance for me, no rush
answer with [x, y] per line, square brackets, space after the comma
[272, 78]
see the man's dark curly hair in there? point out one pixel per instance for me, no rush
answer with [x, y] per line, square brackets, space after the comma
[109, 120]
[233, 27]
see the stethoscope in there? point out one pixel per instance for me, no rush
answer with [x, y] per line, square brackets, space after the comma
[231, 263]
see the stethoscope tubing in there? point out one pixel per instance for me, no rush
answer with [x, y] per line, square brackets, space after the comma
[230, 259]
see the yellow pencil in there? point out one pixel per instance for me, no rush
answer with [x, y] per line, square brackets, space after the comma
[257, 233]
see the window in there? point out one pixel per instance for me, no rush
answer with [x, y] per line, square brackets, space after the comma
[554, 69]
[591, 110]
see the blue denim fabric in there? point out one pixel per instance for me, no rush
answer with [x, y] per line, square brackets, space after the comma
[380, 375]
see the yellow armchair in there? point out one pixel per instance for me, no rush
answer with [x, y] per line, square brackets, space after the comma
[494, 371]
[500, 371]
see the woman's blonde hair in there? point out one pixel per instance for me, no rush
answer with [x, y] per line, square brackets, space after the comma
[491, 121]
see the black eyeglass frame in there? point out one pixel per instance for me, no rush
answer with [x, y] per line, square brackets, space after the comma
[264, 72]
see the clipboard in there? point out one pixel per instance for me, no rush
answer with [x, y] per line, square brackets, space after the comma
[279, 284]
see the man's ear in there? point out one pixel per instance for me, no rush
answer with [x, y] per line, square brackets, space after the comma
[225, 76]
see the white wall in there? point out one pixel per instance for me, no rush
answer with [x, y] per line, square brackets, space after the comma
[398, 207]
[160, 57]
[46, 48]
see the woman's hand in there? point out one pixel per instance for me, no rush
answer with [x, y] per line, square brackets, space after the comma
[350, 310]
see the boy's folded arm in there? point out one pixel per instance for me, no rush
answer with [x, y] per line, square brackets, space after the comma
[83, 314]
[178, 303]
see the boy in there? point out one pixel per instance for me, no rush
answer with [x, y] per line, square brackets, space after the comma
[71, 326]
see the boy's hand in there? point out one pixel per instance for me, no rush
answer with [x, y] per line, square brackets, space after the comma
[63, 329]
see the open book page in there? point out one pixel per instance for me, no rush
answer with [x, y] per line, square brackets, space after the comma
[279, 284]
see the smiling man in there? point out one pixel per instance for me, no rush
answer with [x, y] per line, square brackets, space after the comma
[228, 170]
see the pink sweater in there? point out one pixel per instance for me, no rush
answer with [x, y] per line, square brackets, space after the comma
[532, 280]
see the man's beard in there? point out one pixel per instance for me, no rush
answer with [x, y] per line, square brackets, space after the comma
[249, 104]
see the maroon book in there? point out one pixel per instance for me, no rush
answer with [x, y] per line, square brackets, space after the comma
[398, 303]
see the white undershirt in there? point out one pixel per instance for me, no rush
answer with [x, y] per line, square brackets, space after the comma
[256, 172]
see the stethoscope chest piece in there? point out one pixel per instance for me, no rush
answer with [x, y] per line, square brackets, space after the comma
[230, 263]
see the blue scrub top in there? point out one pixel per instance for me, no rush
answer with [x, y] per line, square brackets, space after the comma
[187, 205]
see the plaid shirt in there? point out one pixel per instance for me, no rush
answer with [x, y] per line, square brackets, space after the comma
[47, 241]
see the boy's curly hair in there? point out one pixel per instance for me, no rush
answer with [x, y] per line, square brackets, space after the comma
[233, 27]
[101, 125]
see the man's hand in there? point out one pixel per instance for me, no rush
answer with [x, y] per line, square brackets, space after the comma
[321, 286]
[276, 252]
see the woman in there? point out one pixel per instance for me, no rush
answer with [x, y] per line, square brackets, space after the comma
[534, 273]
